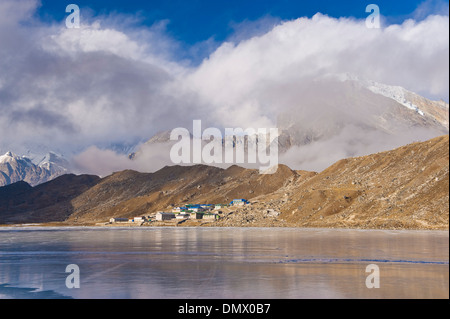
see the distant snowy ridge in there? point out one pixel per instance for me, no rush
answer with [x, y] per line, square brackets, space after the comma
[14, 168]
[397, 93]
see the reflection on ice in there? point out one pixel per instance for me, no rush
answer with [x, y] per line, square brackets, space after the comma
[222, 263]
[28, 293]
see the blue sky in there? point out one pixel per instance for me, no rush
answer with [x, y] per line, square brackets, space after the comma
[194, 21]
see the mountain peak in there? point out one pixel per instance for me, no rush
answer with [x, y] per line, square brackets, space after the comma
[437, 110]
[9, 156]
[14, 168]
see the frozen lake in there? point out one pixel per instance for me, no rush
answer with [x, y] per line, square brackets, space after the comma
[224, 263]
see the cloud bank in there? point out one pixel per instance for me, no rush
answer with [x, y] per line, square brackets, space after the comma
[79, 90]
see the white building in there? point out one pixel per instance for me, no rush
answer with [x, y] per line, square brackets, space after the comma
[239, 202]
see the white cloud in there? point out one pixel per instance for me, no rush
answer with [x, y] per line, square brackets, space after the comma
[413, 55]
[92, 38]
[116, 82]
[104, 162]
[350, 142]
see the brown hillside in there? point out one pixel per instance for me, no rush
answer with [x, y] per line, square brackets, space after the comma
[129, 193]
[21, 203]
[404, 188]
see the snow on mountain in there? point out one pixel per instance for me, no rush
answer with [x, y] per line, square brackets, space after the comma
[55, 164]
[10, 157]
[438, 110]
[14, 168]
[396, 93]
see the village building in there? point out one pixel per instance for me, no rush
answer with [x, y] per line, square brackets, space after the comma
[239, 202]
[194, 208]
[178, 210]
[190, 211]
[209, 216]
[196, 215]
[161, 216]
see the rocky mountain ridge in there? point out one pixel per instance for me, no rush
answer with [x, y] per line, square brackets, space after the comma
[14, 168]
[406, 188]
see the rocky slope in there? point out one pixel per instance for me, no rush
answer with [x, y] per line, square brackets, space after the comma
[129, 193]
[406, 188]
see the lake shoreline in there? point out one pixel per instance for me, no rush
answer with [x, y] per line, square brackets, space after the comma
[209, 225]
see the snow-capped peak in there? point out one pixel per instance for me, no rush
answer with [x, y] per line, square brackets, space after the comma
[8, 157]
[14, 168]
[50, 157]
[397, 93]
[54, 163]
